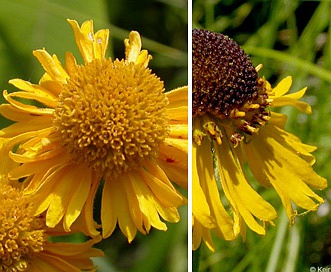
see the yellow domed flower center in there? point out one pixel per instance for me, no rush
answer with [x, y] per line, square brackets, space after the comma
[111, 115]
[21, 234]
[229, 99]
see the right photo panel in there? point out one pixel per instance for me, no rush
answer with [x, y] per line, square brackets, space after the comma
[261, 137]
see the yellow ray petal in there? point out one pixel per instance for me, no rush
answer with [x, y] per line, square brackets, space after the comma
[178, 97]
[280, 99]
[294, 144]
[224, 222]
[289, 100]
[32, 88]
[157, 172]
[166, 195]
[146, 201]
[115, 208]
[6, 164]
[35, 123]
[71, 64]
[179, 131]
[169, 214]
[133, 51]
[201, 233]
[81, 249]
[133, 203]
[100, 43]
[60, 197]
[79, 193]
[55, 203]
[49, 84]
[28, 169]
[53, 263]
[177, 115]
[282, 87]
[37, 97]
[85, 222]
[200, 206]
[196, 234]
[91, 46]
[174, 162]
[297, 173]
[236, 189]
[52, 65]
[178, 105]
[30, 109]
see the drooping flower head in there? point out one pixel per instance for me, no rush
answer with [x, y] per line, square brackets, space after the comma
[24, 239]
[233, 127]
[103, 120]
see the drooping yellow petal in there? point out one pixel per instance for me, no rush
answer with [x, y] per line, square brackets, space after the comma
[79, 194]
[134, 207]
[294, 143]
[115, 208]
[85, 222]
[285, 170]
[200, 206]
[201, 233]
[224, 223]
[236, 189]
[55, 203]
[165, 194]
[146, 201]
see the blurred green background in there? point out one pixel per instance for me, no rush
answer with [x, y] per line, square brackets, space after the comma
[288, 38]
[34, 24]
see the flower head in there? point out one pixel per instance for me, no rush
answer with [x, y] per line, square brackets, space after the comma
[24, 243]
[233, 127]
[104, 120]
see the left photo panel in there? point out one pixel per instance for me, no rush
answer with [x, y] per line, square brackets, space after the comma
[94, 136]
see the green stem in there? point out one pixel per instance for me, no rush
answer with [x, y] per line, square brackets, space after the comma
[196, 259]
[292, 249]
[278, 244]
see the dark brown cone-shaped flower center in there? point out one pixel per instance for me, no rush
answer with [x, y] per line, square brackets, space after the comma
[223, 75]
[229, 98]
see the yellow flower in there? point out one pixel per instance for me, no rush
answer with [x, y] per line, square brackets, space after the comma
[234, 132]
[24, 239]
[104, 120]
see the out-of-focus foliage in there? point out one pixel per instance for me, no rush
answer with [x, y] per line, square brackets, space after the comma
[34, 24]
[288, 38]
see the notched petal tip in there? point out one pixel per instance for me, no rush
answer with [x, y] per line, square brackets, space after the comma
[91, 45]
[133, 52]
